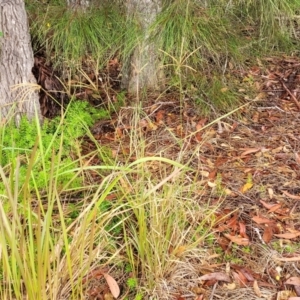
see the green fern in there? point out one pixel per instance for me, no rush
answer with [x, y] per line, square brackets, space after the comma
[64, 138]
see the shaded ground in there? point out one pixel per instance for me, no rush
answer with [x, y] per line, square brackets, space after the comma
[253, 157]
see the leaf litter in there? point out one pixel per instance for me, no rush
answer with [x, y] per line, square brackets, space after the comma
[252, 158]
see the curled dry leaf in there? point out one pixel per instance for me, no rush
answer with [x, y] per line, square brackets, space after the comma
[249, 151]
[288, 235]
[219, 276]
[238, 239]
[231, 286]
[256, 289]
[270, 206]
[293, 281]
[294, 197]
[268, 234]
[112, 284]
[261, 220]
[243, 230]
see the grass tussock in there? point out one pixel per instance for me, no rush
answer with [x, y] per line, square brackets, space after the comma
[197, 41]
[53, 237]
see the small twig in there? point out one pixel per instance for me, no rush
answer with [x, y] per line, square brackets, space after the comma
[259, 236]
[297, 270]
[213, 291]
[291, 94]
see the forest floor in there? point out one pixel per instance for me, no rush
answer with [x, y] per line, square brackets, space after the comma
[249, 166]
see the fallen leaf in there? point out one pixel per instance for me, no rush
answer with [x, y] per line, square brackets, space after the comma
[249, 151]
[160, 116]
[237, 278]
[293, 281]
[231, 286]
[275, 208]
[288, 235]
[294, 197]
[237, 239]
[219, 276]
[268, 234]
[271, 193]
[112, 284]
[261, 220]
[256, 289]
[243, 278]
[243, 230]
[267, 205]
[297, 289]
[247, 186]
[284, 295]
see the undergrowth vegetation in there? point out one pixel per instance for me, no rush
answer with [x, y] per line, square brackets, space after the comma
[63, 217]
[57, 226]
[199, 41]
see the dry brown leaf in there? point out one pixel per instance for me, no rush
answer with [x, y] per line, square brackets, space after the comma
[261, 220]
[293, 281]
[288, 235]
[249, 151]
[243, 230]
[268, 234]
[243, 278]
[275, 208]
[297, 289]
[237, 278]
[112, 284]
[237, 239]
[256, 289]
[219, 276]
[160, 115]
[266, 205]
[294, 197]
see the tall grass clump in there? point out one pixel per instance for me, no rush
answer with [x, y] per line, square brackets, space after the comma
[46, 251]
[167, 220]
[72, 36]
[186, 27]
[155, 226]
[269, 23]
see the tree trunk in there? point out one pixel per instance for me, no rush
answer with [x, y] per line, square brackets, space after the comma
[18, 94]
[143, 70]
[78, 4]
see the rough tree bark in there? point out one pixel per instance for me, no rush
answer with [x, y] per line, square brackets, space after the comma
[81, 4]
[17, 94]
[143, 71]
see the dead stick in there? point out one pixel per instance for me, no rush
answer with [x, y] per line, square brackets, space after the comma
[290, 93]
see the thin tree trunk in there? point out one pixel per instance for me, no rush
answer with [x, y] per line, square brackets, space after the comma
[143, 71]
[18, 92]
